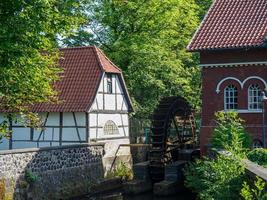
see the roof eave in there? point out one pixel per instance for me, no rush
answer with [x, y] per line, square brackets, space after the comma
[262, 46]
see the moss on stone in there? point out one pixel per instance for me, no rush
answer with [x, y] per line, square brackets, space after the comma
[9, 196]
[2, 189]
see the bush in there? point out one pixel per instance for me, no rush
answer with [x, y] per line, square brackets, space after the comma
[258, 156]
[122, 171]
[230, 133]
[257, 192]
[30, 177]
[220, 178]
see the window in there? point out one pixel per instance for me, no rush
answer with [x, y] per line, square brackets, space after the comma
[254, 97]
[230, 98]
[109, 83]
[110, 128]
[257, 144]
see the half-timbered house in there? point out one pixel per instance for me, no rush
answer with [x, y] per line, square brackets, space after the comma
[232, 41]
[94, 105]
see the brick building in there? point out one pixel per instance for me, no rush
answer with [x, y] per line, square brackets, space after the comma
[232, 43]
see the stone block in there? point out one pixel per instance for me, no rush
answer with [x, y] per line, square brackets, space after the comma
[107, 185]
[165, 188]
[141, 171]
[137, 187]
[174, 171]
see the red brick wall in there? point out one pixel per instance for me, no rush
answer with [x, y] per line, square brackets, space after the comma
[212, 102]
[233, 56]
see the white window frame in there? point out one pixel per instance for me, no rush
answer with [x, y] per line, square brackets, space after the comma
[230, 94]
[109, 84]
[254, 97]
[110, 128]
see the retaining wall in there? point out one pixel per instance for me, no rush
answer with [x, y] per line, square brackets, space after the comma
[53, 172]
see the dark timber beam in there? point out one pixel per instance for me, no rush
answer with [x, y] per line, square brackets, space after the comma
[87, 126]
[110, 111]
[60, 128]
[76, 126]
[10, 132]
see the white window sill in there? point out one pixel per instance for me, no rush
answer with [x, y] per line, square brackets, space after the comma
[245, 111]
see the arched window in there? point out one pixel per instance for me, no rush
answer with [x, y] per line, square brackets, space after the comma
[257, 144]
[230, 98]
[254, 97]
[110, 128]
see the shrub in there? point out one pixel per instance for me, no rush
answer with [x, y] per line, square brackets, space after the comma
[30, 177]
[230, 133]
[122, 171]
[257, 192]
[220, 178]
[258, 156]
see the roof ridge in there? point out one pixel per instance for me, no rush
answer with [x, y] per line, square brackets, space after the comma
[98, 59]
[100, 51]
[78, 47]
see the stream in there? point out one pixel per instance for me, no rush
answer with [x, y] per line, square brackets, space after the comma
[118, 195]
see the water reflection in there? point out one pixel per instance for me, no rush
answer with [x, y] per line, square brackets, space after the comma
[145, 196]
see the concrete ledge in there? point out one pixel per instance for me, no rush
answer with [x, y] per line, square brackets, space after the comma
[255, 169]
[29, 150]
[251, 167]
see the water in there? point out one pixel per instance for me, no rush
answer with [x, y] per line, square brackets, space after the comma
[117, 195]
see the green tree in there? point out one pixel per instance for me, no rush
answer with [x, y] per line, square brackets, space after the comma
[148, 39]
[204, 6]
[28, 50]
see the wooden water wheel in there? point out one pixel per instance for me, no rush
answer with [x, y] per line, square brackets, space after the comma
[173, 126]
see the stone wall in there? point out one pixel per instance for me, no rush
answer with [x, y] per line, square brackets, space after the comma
[52, 173]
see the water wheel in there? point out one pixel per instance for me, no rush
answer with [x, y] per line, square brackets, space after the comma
[173, 127]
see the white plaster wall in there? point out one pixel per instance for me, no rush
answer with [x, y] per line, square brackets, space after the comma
[98, 120]
[114, 101]
[123, 153]
[22, 139]
[72, 134]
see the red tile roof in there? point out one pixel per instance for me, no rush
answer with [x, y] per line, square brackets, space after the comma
[232, 24]
[83, 69]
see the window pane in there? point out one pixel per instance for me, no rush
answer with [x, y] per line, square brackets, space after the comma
[230, 97]
[254, 97]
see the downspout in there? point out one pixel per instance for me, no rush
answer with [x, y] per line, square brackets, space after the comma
[264, 98]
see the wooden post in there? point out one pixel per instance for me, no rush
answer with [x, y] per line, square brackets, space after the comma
[10, 132]
[60, 128]
[87, 126]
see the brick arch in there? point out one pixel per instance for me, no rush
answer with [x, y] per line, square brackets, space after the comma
[227, 79]
[260, 81]
[240, 83]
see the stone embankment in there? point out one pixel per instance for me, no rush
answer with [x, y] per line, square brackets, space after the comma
[50, 173]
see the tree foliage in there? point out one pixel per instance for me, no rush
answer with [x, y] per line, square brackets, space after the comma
[148, 39]
[28, 49]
